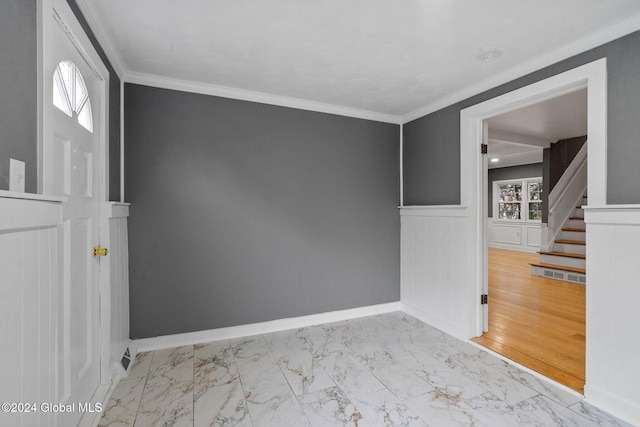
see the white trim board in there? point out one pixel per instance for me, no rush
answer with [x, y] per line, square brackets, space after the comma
[401, 165]
[122, 199]
[19, 214]
[258, 97]
[199, 337]
[31, 196]
[612, 214]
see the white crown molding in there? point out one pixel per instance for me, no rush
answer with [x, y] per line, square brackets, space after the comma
[92, 15]
[598, 38]
[259, 97]
[584, 44]
[200, 337]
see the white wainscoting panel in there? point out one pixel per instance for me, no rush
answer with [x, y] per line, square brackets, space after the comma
[434, 245]
[35, 357]
[507, 233]
[534, 236]
[115, 275]
[28, 303]
[613, 296]
[517, 236]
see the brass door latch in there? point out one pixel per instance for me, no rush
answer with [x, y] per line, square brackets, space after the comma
[98, 251]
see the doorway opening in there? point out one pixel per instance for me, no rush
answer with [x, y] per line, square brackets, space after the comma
[474, 132]
[536, 321]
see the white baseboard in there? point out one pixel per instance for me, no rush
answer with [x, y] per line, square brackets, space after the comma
[621, 408]
[101, 396]
[190, 338]
[435, 321]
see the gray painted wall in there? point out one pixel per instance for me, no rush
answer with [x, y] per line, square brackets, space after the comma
[19, 102]
[561, 154]
[245, 212]
[432, 143]
[513, 172]
[556, 159]
[18, 92]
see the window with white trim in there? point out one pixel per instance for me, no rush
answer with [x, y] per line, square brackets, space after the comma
[70, 94]
[518, 200]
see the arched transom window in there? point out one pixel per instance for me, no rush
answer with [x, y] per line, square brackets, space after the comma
[70, 93]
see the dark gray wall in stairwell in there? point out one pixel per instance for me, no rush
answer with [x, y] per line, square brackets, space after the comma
[556, 159]
[561, 154]
[432, 143]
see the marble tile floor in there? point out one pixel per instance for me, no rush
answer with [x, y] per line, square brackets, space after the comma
[385, 370]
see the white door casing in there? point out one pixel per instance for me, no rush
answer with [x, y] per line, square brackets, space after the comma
[73, 164]
[485, 240]
[593, 76]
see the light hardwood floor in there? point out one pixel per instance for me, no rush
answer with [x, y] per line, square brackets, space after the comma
[537, 322]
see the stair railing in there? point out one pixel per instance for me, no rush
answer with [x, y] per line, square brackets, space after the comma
[566, 195]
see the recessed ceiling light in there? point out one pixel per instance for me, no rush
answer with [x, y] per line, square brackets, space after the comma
[488, 55]
[494, 160]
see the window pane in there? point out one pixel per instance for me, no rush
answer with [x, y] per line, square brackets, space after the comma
[84, 117]
[70, 93]
[60, 95]
[66, 73]
[535, 211]
[508, 210]
[510, 192]
[81, 92]
[535, 191]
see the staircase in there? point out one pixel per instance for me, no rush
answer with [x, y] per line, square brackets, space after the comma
[567, 258]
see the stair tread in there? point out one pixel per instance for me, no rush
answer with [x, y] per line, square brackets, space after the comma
[571, 242]
[576, 229]
[564, 254]
[559, 267]
[576, 218]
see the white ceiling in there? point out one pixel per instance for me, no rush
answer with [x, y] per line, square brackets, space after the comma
[518, 137]
[392, 58]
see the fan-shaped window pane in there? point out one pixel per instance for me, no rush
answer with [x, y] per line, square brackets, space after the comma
[60, 95]
[60, 100]
[81, 92]
[70, 93]
[84, 117]
[66, 73]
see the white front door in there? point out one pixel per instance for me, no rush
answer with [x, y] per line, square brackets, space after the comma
[72, 166]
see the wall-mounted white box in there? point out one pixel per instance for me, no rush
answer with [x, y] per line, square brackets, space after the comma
[16, 175]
